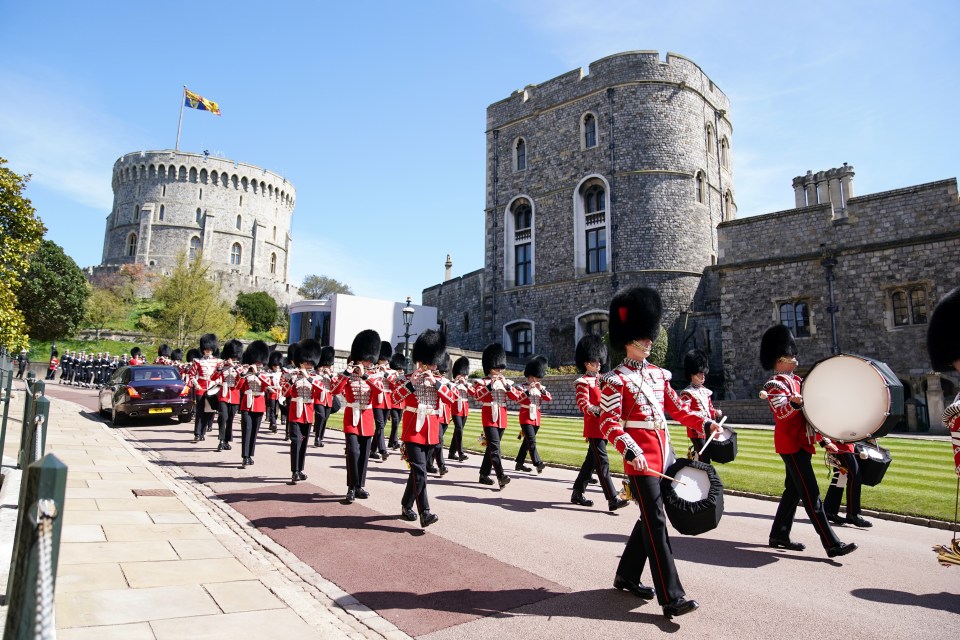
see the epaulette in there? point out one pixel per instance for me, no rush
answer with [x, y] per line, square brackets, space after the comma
[774, 384]
[667, 374]
[951, 416]
[613, 378]
[584, 380]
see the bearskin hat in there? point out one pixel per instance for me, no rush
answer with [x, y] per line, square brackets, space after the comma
[176, 355]
[694, 362]
[135, 352]
[275, 359]
[385, 351]
[943, 339]
[292, 351]
[494, 357]
[590, 349]
[461, 367]
[163, 351]
[777, 341]
[327, 355]
[445, 363]
[208, 342]
[308, 350]
[634, 315]
[536, 367]
[398, 362]
[365, 347]
[430, 347]
[193, 354]
[256, 352]
[232, 350]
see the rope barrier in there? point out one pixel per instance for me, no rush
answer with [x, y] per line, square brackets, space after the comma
[45, 627]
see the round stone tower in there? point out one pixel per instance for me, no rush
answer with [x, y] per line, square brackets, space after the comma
[167, 203]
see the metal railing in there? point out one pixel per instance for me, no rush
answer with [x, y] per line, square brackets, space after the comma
[6, 386]
[36, 415]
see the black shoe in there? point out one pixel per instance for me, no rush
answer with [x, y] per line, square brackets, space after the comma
[226, 446]
[316, 443]
[362, 493]
[617, 503]
[787, 543]
[195, 441]
[452, 457]
[301, 475]
[679, 607]
[202, 438]
[220, 446]
[463, 457]
[350, 497]
[486, 480]
[294, 478]
[858, 521]
[842, 549]
[427, 519]
[592, 480]
[394, 445]
[541, 466]
[286, 438]
[836, 519]
[320, 444]
[523, 467]
[503, 481]
[376, 456]
[273, 429]
[250, 461]
[432, 470]
[578, 498]
[243, 465]
[384, 455]
[408, 514]
[636, 588]
[444, 470]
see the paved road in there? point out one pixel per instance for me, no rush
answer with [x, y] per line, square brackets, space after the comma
[524, 562]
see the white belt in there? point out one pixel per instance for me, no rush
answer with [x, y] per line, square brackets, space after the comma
[357, 408]
[225, 392]
[422, 411]
[649, 425]
[532, 409]
[300, 402]
[250, 394]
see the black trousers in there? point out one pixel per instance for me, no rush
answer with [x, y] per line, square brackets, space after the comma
[321, 414]
[272, 406]
[358, 455]
[529, 444]
[51, 373]
[649, 541]
[801, 484]
[299, 432]
[436, 453]
[596, 460]
[250, 427]
[697, 445]
[853, 480]
[491, 457]
[379, 444]
[204, 419]
[456, 440]
[394, 427]
[228, 412]
[416, 490]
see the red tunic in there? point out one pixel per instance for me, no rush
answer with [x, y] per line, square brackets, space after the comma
[697, 398]
[588, 398]
[791, 433]
[252, 388]
[461, 407]
[530, 401]
[226, 376]
[422, 408]
[493, 412]
[273, 386]
[627, 415]
[303, 391]
[201, 372]
[358, 411]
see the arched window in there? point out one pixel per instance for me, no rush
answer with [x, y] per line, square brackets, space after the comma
[588, 131]
[131, 245]
[199, 216]
[590, 209]
[136, 213]
[699, 188]
[520, 155]
[909, 306]
[796, 316]
[724, 153]
[161, 212]
[592, 322]
[235, 254]
[520, 243]
[194, 247]
[729, 208]
[274, 233]
[273, 263]
[239, 222]
[711, 145]
[518, 338]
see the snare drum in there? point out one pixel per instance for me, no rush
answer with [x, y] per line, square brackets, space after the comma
[723, 448]
[851, 398]
[213, 390]
[696, 506]
[874, 461]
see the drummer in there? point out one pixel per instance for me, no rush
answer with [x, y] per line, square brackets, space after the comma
[793, 439]
[846, 475]
[697, 366]
[633, 398]
[943, 345]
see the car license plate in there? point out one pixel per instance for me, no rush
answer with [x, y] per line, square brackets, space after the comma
[164, 410]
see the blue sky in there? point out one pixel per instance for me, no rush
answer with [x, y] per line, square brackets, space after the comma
[375, 111]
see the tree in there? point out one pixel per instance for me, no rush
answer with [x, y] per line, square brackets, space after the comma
[123, 283]
[319, 287]
[53, 294]
[259, 309]
[104, 307]
[20, 234]
[190, 305]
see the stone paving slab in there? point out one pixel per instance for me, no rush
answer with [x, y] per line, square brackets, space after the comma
[245, 595]
[200, 549]
[123, 606]
[144, 533]
[281, 624]
[184, 572]
[141, 631]
[90, 577]
[96, 552]
[82, 533]
[106, 517]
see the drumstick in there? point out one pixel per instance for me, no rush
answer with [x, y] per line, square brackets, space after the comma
[666, 477]
[713, 435]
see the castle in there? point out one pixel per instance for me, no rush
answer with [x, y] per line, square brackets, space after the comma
[170, 202]
[623, 176]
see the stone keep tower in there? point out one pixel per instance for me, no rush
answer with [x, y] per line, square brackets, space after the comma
[596, 181]
[171, 202]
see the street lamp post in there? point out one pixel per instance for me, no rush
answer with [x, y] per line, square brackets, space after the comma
[829, 262]
[408, 312]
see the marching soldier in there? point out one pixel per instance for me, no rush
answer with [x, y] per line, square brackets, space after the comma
[492, 392]
[943, 346]
[398, 365]
[633, 399]
[136, 357]
[590, 354]
[302, 390]
[793, 439]
[252, 386]
[382, 403]
[273, 388]
[461, 407]
[163, 355]
[421, 396]
[697, 397]
[322, 409]
[54, 363]
[444, 413]
[228, 398]
[358, 384]
[533, 395]
[202, 370]
[846, 475]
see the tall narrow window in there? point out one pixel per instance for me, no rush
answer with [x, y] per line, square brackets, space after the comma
[241, 201]
[724, 153]
[466, 322]
[519, 239]
[199, 215]
[592, 228]
[201, 194]
[274, 233]
[589, 131]
[239, 222]
[194, 247]
[596, 250]
[523, 341]
[235, 254]
[163, 190]
[161, 212]
[711, 145]
[136, 213]
[520, 155]
[273, 263]
[523, 261]
[901, 316]
[699, 187]
[131, 245]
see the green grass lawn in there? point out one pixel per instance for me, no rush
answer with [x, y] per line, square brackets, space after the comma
[919, 482]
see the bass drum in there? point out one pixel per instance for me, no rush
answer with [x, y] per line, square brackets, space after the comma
[695, 506]
[851, 398]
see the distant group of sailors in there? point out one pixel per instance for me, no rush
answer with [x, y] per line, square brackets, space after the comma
[90, 370]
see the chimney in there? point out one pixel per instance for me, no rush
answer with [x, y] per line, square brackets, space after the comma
[449, 266]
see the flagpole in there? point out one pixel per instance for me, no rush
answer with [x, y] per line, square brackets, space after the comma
[183, 96]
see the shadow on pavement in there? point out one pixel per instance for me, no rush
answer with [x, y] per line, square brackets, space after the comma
[940, 601]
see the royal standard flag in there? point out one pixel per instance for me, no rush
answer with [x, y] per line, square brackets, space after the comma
[196, 101]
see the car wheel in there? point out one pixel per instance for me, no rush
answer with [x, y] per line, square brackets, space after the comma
[185, 418]
[103, 412]
[118, 419]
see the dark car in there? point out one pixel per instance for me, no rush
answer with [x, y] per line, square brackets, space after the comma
[146, 391]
